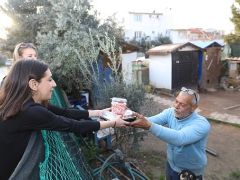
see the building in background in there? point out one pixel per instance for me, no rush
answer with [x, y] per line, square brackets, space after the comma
[147, 25]
[209, 63]
[194, 34]
[130, 54]
[173, 66]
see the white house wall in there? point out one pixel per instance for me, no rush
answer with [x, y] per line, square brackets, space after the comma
[127, 66]
[178, 36]
[160, 71]
[150, 25]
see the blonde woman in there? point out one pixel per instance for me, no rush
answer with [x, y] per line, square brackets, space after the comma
[24, 51]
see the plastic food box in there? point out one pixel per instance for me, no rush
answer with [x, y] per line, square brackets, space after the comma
[119, 105]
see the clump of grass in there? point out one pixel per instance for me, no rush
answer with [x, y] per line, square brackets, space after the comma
[151, 162]
[235, 175]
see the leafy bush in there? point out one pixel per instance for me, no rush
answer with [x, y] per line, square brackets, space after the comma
[79, 54]
[3, 59]
[126, 139]
[80, 67]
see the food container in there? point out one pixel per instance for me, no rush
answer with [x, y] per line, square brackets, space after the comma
[128, 116]
[119, 105]
[108, 116]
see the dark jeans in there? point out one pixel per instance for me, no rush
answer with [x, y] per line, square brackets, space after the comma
[173, 175]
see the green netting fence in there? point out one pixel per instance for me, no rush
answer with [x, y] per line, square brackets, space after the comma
[63, 156]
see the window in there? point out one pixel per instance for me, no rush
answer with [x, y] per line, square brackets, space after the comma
[138, 17]
[137, 34]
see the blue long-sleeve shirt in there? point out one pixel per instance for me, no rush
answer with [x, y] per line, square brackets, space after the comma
[186, 139]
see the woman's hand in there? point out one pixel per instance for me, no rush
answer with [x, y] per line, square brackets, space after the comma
[119, 122]
[116, 122]
[101, 112]
[98, 113]
[140, 122]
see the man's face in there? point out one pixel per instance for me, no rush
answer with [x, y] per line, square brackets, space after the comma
[183, 105]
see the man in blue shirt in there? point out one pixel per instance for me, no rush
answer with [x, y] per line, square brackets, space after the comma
[184, 131]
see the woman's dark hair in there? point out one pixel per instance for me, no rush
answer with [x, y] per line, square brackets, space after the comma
[16, 91]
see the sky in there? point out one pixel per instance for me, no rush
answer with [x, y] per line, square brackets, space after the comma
[205, 14]
[5, 22]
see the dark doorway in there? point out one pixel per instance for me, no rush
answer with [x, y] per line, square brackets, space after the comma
[184, 69]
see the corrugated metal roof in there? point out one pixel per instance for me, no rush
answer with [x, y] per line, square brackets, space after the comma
[162, 49]
[206, 44]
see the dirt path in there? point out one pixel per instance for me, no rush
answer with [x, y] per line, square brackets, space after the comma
[221, 105]
[225, 139]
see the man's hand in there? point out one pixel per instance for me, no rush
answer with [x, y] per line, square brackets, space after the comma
[140, 122]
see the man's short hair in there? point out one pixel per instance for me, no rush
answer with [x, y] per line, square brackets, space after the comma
[194, 94]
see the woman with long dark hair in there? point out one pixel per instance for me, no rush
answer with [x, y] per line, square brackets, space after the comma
[24, 108]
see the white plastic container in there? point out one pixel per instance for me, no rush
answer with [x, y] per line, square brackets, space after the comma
[119, 105]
